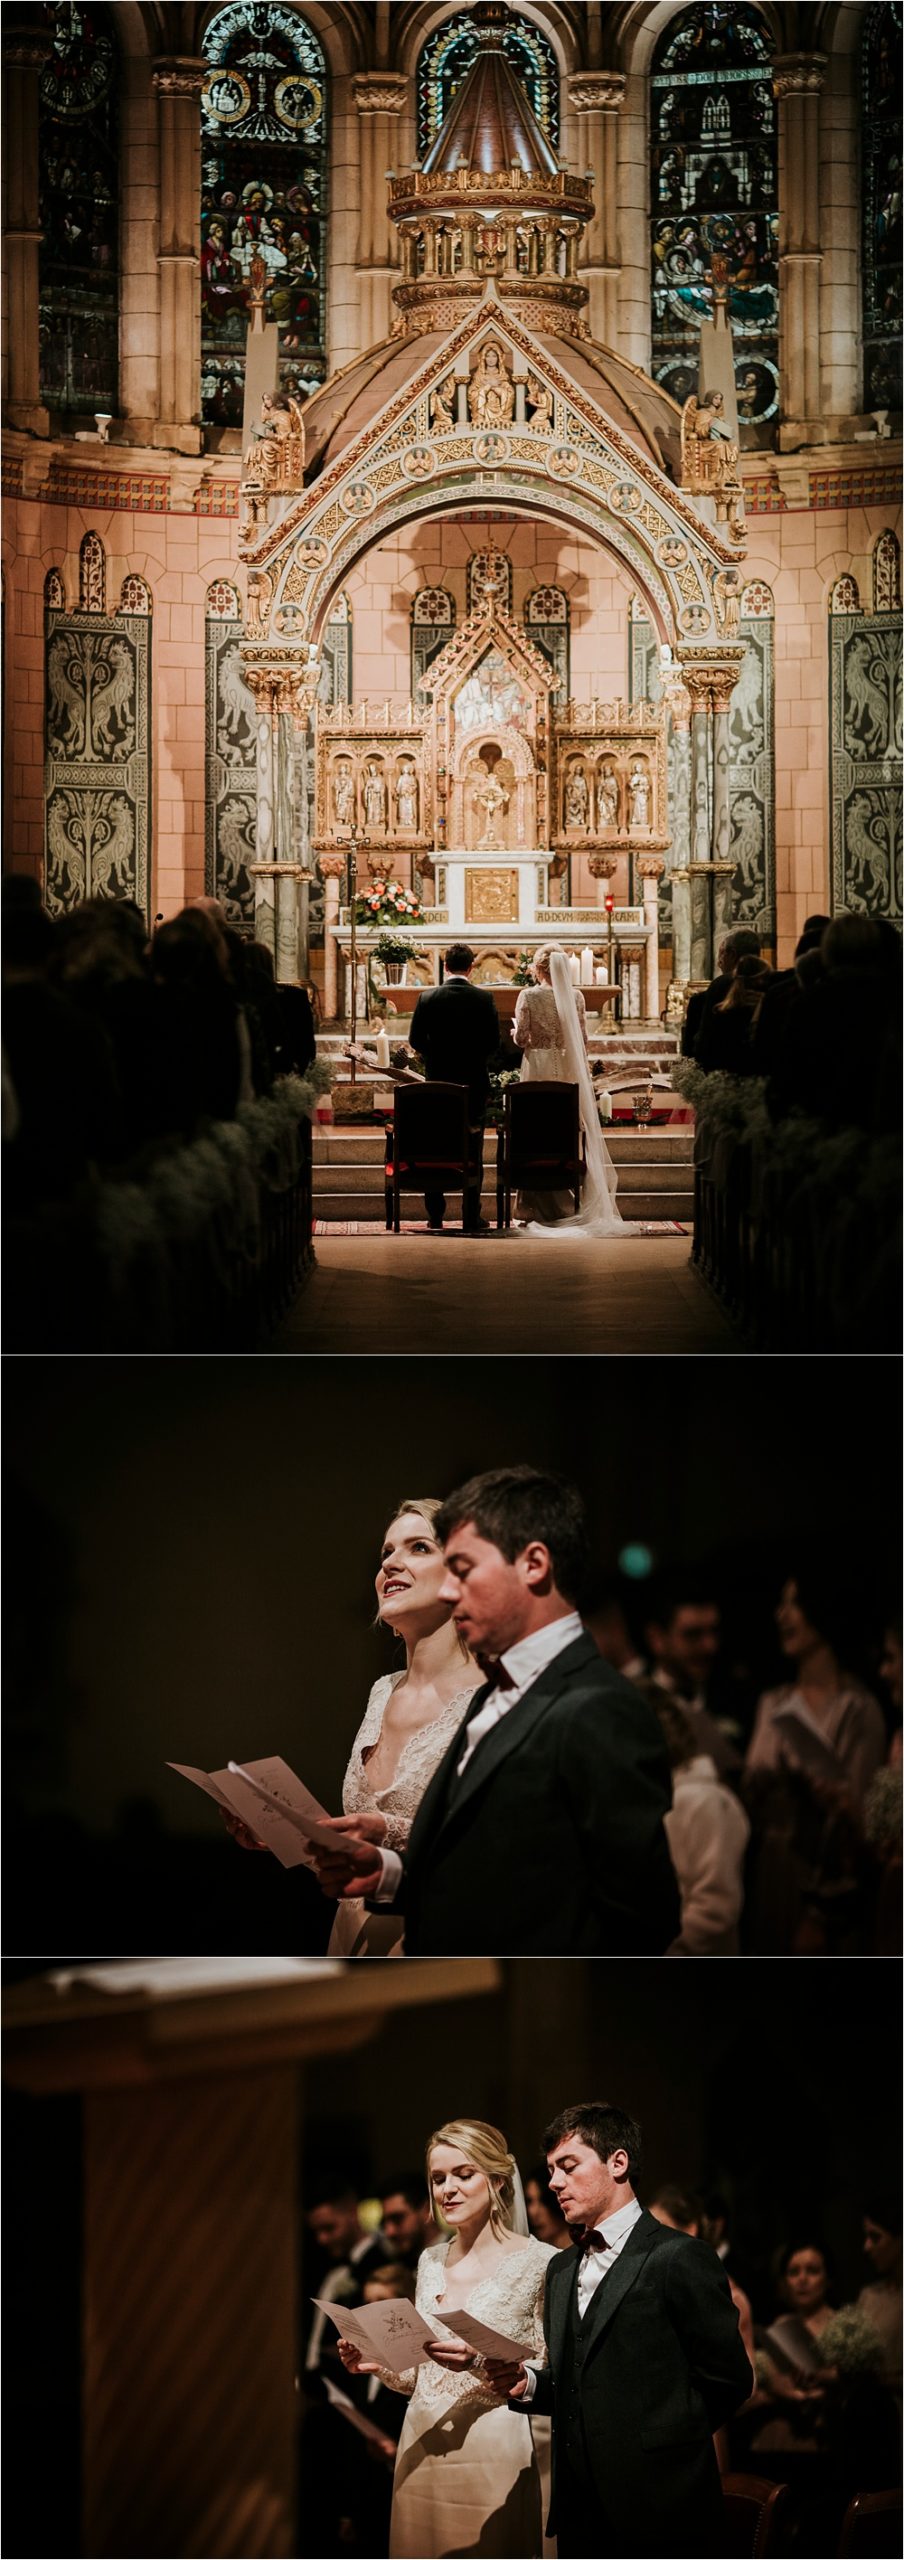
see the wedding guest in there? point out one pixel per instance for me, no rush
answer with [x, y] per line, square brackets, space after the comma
[707, 1831]
[683, 1635]
[725, 1040]
[410, 1719]
[645, 2359]
[880, 2300]
[791, 2377]
[544, 2213]
[737, 944]
[466, 2473]
[679, 2211]
[406, 2220]
[816, 1743]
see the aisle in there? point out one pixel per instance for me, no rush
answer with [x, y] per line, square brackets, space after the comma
[443, 1294]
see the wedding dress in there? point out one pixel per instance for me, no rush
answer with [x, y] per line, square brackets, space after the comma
[357, 1931]
[466, 2477]
[553, 1018]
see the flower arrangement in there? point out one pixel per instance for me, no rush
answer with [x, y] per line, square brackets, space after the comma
[850, 2343]
[386, 902]
[393, 947]
[882, 1812]
[523, 971]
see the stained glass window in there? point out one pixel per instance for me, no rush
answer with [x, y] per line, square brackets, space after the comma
[263, 189]
[714, 187]
[78, 307]
[881, 95]
[449, 53]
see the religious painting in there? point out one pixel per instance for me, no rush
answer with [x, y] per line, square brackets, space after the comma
[865, 763]
[491, 696]
[447, 57]
[880, 75]
[231, 764]
[97, 766]
[263, 164]
[78, 288]
[714, 188]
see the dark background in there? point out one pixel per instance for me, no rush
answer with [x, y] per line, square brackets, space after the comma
[190, 1550]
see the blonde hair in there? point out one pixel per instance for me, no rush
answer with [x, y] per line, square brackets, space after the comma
[486, 2149]
[543, 956]
[425, 1507]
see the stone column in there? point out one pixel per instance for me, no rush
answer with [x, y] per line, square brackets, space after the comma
[721, 840]
[633, 333]
[26, 45]
[262, 683]
[331, 867]
[797, 82]
[379, 97]
[679, 703]
[710, 684]
[650, 868]
[596, 97]
[178, 83]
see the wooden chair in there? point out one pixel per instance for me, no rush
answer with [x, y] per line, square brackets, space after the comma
[427, 1144]
[541, 1145]
[753, 2511]
[872, 2526]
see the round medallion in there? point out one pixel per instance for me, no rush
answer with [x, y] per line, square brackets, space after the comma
[226, 95]
[491, 448]
[695, 618]
[563, 462]
[624, 498]
[418, 462]
[312, 552]
[297, 102]
[358, 499]
[672, 553]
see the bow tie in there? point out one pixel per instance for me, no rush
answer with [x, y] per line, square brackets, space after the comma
[495, 1674]
[591, 2240]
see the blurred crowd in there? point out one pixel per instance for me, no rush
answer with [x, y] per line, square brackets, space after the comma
[824, 1035]
[115, 1041]
[824, 2417]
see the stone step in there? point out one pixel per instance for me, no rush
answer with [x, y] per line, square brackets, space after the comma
[365, 1147]
[655, 1175]
[366, 1209]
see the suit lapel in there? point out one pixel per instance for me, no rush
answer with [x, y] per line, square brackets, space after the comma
[613, 2288]
[561, 2296]
[514, 1729]
[431, 1809]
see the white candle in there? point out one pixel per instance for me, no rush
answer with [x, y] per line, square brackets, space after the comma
[382, 1046]
[586, 966]
[575, 967]
[602, 975]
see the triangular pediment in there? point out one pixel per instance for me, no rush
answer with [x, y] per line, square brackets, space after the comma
[484, 631]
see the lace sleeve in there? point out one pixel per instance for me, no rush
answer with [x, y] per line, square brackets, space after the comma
[582, 1013]
[521, 1023]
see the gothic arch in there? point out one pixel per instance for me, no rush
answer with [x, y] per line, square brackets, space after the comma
[643, 24]
[341, 30]
[422, 21]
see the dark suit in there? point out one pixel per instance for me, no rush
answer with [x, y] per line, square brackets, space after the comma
[552, 1841]
[455, 1029]
[636, 2390]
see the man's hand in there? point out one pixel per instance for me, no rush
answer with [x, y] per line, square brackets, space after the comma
[507, 2380]
[352, 1867]
[239, 1830]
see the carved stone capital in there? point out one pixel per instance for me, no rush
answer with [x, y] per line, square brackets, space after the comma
[650, 866]
[331, 866]
[710, 681]
[25, 46]
[591, 91]
[679, 702]
[180, 76]
[379, 93]
[603, 865]
[797, 75]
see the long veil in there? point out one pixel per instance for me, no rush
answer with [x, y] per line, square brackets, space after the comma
[599, 1215]
[519, 2221]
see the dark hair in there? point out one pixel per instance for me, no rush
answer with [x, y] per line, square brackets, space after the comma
[741, 940]
[682, 1587]
[538, 2176]
[792, 2249]
[460, 957]
[751, 978]
[604, 2128]
[510, 1506]
[342, 2187]
[851, 942]
[883, 2207]
[410, 2183]
[682, 2207]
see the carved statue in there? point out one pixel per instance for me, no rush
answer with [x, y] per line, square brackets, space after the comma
[639, 788]
[343, 795]
[491, 396]
[275, 458]
[709, 455]
[492, 800]
[607, 800]
[374, 798]
[489, 585]
[577, 799]
[406, 797]
[541, 400]
[442, 409]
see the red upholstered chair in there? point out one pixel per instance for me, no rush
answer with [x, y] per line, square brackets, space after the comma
[872, 2526]
[427, 1145]
[754, 2511]
[541, 1146]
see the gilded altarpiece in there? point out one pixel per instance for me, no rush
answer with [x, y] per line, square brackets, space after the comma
[751, 732]
[230, 815]
[97, 768]
[865, 762]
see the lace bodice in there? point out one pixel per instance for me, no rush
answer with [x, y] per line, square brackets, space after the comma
[421, 1755]
[510, 2300]
[536, 1024]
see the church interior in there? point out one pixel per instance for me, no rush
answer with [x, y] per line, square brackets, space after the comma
[489, 532]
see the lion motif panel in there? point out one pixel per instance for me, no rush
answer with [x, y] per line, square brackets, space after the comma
[97, 766]
[865, 729]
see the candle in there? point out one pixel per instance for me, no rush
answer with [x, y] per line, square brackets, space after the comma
[382, 1046]
[586, 966]
[602, 976]
[574, 966]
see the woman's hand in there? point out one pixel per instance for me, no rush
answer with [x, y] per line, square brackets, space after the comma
[239, 1830]
[453, 2353]
[352, 2358]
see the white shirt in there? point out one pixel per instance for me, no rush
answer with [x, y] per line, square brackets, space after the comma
[595, 2266]
[524, 1662]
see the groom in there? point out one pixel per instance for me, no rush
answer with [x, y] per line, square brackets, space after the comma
[541, 1832]
[455, 1029]
[645, 2360]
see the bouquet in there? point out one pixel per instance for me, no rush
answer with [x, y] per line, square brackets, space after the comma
[386, 902]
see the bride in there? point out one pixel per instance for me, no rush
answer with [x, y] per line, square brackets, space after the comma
[409, 1721]
[466, 2476]
[550, 1029]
